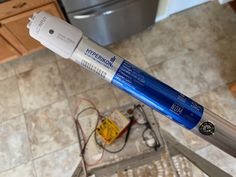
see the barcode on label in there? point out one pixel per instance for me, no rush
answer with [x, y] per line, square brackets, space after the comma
[93, 68]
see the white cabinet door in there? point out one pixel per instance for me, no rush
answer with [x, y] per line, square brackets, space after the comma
[168, 7]
[179, 5]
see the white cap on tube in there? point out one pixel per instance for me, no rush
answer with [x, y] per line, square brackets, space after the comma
[54, 33]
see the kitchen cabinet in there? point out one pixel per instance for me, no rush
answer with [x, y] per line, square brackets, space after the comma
[13, 30]
[233, 5]
[7, 51]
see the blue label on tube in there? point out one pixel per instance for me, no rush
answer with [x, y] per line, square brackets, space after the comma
[157, 95]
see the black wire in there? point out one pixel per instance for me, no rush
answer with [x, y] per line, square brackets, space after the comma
[77, 129]
[141, 110]
[145, 140]
[144, 133]
[147, 124]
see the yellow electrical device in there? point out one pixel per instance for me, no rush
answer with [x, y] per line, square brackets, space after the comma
[111, 127]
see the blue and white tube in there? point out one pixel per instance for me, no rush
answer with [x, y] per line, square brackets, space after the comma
[69, 42]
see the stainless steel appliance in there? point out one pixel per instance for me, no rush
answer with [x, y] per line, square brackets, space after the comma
[108, 21]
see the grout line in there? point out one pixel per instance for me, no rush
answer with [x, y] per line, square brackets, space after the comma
[84, 92]
[33, 159]
[60, 74]
[116, 97]
[82, 70]
[67, 100]
[63, 83]
[21, 111]
[212, 89]
[44, 106]
[52, 152]
[67, 97]
[26, 127]
[10, 119]
[33, 58]
[7, 78]
[10, 68]
[13, 167]
[88, 90]
[34, 169]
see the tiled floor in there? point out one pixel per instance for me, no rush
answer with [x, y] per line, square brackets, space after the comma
[193, 51]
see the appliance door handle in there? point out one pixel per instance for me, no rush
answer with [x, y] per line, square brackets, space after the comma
[84, 16]
[97, 13]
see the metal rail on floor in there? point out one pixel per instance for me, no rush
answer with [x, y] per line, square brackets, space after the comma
[207, 167]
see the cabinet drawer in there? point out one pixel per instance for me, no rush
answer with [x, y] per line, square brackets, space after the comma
[16, 25]
[112, 22]
[7, 52]
[14, 7]
[73, 5]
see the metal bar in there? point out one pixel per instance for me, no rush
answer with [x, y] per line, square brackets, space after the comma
[125, 164]
[203, 164]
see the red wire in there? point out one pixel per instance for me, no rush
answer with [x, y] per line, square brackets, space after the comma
[85, 99]
[83, 134]
[87, 164]
[78, 106]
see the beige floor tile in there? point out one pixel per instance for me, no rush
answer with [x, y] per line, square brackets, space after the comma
[196, 72]
[76, 79]
[161, 43]
[10, 104]
[50, 128]
[122, 97]
[225, 51]
[14, 144]
[193, 141]
[219, 158]
[221, 101]
[25, 170]
[197, 27]
[6, 70]
[40, 87]
[58, 164]
[232, 88]
[102, 97]
[130, 49]
[227, 19]
[171, 127]
[34, 60]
